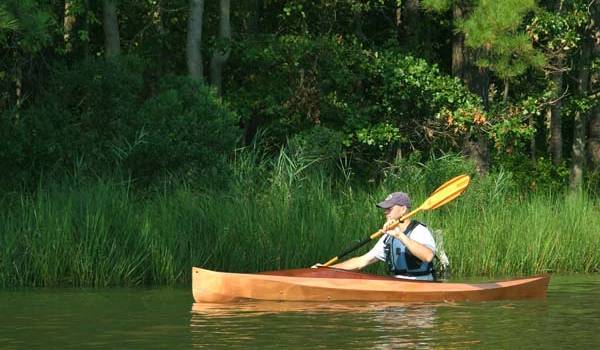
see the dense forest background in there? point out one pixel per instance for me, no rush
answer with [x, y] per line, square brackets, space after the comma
[140, 138]
[155, 87]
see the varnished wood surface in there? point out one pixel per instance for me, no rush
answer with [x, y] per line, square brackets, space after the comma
[325, 284]
[327, 272]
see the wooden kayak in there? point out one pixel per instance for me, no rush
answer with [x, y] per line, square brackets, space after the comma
[330, 284]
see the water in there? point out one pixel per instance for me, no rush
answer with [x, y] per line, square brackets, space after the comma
[167, 319]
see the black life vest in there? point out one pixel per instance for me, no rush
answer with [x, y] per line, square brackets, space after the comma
[401, 261]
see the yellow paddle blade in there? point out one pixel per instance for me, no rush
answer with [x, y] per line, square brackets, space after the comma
[446, 192]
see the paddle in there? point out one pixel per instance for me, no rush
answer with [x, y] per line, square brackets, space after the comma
[444, 194]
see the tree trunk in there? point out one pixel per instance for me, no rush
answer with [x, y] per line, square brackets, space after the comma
[110, 24]
[556, 142]
[581, 117]
[221, 54]
[593, 145]
[68, 25]
[255, 119]
[538, 141]
[256, 19]
[532, 144]
[398, 21]
[18, 90]
[85, 46]
[409, 17]
[505, 93]
[358, 27]
[476, 146]
[458, 42]
[157, 18]
[194, 40]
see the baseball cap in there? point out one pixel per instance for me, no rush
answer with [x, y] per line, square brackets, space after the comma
[395, 198]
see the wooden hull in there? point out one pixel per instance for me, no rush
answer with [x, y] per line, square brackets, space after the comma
[328, 284]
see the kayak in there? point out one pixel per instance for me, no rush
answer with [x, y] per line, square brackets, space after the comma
[331, 284]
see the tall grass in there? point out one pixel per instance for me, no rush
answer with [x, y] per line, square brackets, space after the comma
[281, 214]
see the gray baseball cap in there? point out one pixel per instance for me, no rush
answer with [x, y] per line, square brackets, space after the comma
[395, 198]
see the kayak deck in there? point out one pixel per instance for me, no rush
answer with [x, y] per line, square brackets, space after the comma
[330, 284]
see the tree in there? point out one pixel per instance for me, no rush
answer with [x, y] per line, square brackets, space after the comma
[495, 31]
[563, 32]
[24, 31]
[110, 25]
[584, 107]
[194, 40]
[555, 31]
[222, 51]
[593, 143]
[488, 39]
[68, 25]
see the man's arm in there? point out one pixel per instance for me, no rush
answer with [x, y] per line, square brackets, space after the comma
[356, 263]
[417, 249]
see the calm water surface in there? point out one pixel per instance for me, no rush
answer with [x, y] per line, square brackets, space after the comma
[167, 319]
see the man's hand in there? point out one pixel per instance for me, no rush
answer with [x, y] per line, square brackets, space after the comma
[397, 231]
[388, 224]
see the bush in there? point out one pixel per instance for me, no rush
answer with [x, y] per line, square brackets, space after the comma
[97, 118]
[185, 128]
[82, 113]
[319, 143]
[533, 175]
[379, 102]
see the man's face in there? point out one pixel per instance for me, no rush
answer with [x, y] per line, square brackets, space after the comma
[395, 212]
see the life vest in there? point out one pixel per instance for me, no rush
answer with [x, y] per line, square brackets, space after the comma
[401, 261]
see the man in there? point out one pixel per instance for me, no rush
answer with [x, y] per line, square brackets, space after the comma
[408, 248]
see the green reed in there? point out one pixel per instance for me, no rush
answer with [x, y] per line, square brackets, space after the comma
[279, 216]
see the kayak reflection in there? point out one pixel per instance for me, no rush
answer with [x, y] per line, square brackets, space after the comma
[254, 324]
[254, 308]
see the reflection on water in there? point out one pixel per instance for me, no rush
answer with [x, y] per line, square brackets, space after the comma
[166, 319]
[310, 324]
[314, 324]
[357, 325]
[254, 308]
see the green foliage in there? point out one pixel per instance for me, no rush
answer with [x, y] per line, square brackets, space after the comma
[511, 129]
[184, 129]
[318, 143]
[380, 101]
[495, 28]
[437, 5]
[97, 118]
[415, 175]
[332, 78]
[26, 23]
[82, 115]
[416, 95]
[539, 175]
[7, 20]
[559, 32]
[379, 135]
